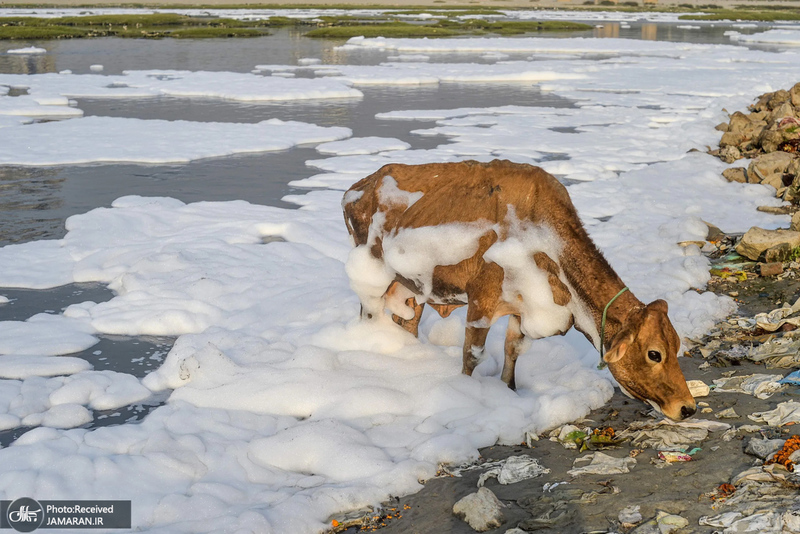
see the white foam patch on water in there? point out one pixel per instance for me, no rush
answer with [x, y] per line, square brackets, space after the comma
[107, 139]
[284, 409]
[29, 50]
[26, 366]
[45, 334]
[223, 85]
[782, 36]
[362, 145]
[65, 401]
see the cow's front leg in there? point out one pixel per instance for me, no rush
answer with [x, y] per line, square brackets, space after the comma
[513, 347]
[411, 325]
[474, 341]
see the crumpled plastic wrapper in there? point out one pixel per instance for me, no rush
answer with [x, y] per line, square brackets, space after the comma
[602, 464]
[781, 352]
[513, 469]
[773, 320]
[760, 386]
[785, 413]
[665, 434]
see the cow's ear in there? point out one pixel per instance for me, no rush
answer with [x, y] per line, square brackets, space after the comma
[617, 352]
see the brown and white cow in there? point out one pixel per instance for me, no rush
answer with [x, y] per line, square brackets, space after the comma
[504, 239]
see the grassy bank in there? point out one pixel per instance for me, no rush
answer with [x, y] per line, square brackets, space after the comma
[153, 26]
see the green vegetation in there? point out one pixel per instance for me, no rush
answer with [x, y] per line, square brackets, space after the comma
[444, 28]
[155, 26]
[390, 29]
[735, 14]
[27, 33]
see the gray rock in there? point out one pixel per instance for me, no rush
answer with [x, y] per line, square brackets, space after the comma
[794, 92]
[775, 180]
[795, 222]
[481, 510]
[757, 240]
[766, 164]
[738, 122]
[731, 139]
[778, 97]
[784, 110]
[729, 154]
[770, 139]
[762, 448]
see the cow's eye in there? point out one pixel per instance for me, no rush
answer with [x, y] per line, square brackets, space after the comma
[654, 355]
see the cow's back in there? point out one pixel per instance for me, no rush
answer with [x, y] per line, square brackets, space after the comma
[454, 192]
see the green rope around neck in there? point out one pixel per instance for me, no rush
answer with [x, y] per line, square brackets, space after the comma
[603, 364]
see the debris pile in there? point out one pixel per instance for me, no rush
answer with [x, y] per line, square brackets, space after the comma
[770, 136]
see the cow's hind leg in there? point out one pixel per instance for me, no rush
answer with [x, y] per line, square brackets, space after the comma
[513, 347]
[411, 325]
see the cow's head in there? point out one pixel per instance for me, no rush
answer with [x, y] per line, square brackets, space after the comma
[644, 360]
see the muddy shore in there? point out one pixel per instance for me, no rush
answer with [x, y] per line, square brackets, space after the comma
[592, 503]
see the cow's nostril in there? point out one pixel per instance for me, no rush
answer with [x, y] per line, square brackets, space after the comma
[687, 411]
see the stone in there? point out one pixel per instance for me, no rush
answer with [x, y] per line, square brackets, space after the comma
[735, 174]
[774, 180]
[795, 222]
[794, 93]
[778, 97]
[729, 154]
[669, 522]
[721, 127]
[770, 269]
[757, 240]
[481, 510]
[738, 122]
[766, 164]
[778, 253]
[784, 110]
[731, 139]
[770, 139]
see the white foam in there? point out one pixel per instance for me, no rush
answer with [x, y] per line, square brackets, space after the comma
[29, 50]
[284, 409]
[783, 36]
[107, 139]
[362, 145]
[45, 334]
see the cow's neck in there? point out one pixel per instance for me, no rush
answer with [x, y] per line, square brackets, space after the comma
[595, 284]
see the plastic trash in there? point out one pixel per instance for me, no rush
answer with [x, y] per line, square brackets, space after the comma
[761, 386]
[727, 413]
[698, 388]
[773, 320]
[779, 352]
[791, 378]
[630, 516]
[785, 413]
[669, 435]
[602, 464]
[513, 469]
[723, 520]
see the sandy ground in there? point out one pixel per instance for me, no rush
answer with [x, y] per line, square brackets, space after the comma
[677, 488]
